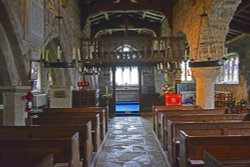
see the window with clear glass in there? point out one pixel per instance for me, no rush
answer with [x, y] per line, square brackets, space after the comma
[230, 70]
[186, 74]
[127, 76]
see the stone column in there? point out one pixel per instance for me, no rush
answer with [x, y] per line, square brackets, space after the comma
[14, 105]
[205, 78]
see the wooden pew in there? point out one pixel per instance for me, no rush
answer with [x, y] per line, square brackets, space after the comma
[104, 115]
[1, 117]
[193, 147]
[85, 137]
[202, 129]
[211, 161]
[157, 109]
[181, 112]
[195, 118]
[65, 150]
[67, 119]
[46, 161]
[72, 114]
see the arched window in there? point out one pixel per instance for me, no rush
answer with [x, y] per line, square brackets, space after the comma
[186, 74]
[230, 70]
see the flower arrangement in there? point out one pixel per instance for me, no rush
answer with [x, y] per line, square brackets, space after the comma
[168, 88]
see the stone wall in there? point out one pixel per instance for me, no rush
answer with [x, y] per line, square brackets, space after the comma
[186, 14]
[241, 91]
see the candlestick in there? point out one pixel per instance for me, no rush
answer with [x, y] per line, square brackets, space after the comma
[157, 66]
[107, 90]
[79, 54]
[58, 52]
[161, 66]
[208, 51]
[43, 53]
[74, 54]
[202, 55]
[47, 55]
[185, 55]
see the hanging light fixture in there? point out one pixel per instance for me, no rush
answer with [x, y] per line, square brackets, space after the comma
[76, 55]
[206, 53]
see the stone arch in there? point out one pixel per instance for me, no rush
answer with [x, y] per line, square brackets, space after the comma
[59, 76]
[13, 62]
[187, 19]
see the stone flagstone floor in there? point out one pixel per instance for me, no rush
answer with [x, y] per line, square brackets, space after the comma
[130, 143]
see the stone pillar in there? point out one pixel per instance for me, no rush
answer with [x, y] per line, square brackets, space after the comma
[14, 105]
[205, 78]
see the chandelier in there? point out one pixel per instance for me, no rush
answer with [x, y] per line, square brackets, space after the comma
[59, 63]
[206, 54]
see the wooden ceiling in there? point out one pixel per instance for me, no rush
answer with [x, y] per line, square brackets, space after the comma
[125, 17]
[144, 17]
[240, 23]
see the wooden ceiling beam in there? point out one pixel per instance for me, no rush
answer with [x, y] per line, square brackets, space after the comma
[95, 6]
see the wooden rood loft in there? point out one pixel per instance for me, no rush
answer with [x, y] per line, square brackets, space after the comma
[141, 51]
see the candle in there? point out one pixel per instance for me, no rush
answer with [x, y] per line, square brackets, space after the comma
[58, 52]
[168, 65]
[74, 54]
[185, 55]
[161, 66]
[157, 66]
[79, 54]
[39, 53]
[176, 64]
[47, 55]
[43, 53]
[208, 51]
[202, 55]
[107, 90]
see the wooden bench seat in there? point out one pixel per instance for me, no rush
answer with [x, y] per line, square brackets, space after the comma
[65, 150]
[73, 114]
[46, 161]
[192, 118]
[65, 121]
[160, 114]
[211, 161]
[85, 137]
[192, 148]
[202, 129]
[157, 109]
[104, 115]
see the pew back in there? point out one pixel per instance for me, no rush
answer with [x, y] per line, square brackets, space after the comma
[193, 147]
[64, 114]
[202, 129]
[160, 114]
[66, 121]
[104, 115]
[156, 109]
[26, 132]
[65, 150]
[193, 118]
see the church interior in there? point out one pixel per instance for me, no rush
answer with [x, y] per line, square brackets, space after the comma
[124, 83]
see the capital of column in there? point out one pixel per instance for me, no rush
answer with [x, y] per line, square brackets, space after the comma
[206, 72]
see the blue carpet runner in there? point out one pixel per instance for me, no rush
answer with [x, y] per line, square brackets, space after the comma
[127, 108]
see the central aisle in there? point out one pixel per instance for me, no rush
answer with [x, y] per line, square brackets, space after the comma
[130, 143]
